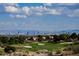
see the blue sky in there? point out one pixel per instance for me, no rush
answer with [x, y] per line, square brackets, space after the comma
[39, 16]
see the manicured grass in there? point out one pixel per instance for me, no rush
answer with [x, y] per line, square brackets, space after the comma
[35, 46]
[42, 45]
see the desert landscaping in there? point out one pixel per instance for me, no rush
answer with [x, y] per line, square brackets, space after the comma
[40, 45]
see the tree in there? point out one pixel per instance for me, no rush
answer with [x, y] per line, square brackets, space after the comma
[39, 38]
[12, 40]
[4, 40]
[50, 40]
[78, 37]
[21, 39]
[64, 37]
[56, 38]
[9, 49]
[47, 38]
[73, 36]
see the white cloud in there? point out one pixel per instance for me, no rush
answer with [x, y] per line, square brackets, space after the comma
[42, 10]
[74, 13]
[33, 10]
[11, 9]
[23, 12]
[39, 14]
[26, 10]
[38, 8]
[55, 11]
[47, 4]
[18, 16]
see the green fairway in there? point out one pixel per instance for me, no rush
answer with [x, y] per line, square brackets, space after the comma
[40, 46]
[30, 47]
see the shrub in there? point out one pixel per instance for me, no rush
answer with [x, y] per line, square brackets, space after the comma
[68, 48]
[58, 51]
[75, 43]
[50, 53]
[76, 49]
[1, 52]
[9, 49]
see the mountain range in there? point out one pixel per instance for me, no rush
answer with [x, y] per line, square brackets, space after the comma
[67, 31]
[35, 32]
